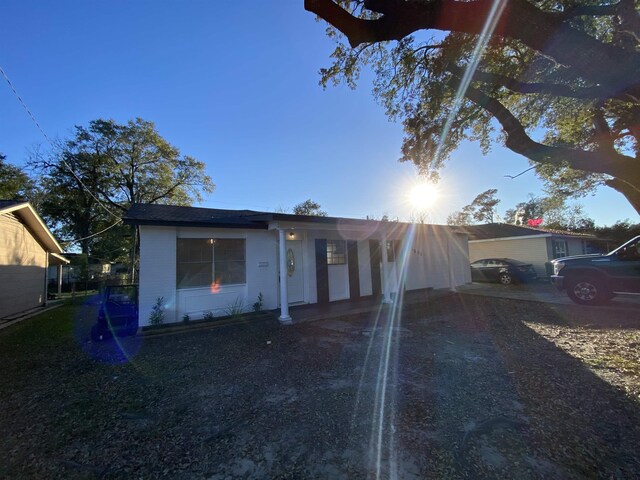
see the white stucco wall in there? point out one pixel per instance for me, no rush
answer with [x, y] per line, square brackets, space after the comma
[157, 271]
[158, 274]
[364, 268]
[427, 266]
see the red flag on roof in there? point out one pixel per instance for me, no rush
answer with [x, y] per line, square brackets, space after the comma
[534, 222]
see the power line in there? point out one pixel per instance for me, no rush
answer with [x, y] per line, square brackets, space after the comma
[92, 235]
[33, 118]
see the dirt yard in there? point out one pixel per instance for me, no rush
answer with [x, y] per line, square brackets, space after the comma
[464, 387]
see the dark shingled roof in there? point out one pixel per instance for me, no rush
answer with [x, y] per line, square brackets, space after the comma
[505, 230]
[170, 215]
[10, 203]
[154, 214]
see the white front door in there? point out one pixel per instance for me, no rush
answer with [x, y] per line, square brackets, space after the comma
[295, 274]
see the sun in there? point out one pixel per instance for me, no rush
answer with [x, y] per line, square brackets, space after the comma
[423, 195]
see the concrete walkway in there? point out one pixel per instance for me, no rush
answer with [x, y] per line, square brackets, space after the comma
[541, 292]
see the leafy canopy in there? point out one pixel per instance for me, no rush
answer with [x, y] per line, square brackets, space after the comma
[91, 179]
[309, 207]
[14, 183]
[555, 81]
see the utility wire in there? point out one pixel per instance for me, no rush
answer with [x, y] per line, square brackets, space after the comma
[33, 118]
[71, 242]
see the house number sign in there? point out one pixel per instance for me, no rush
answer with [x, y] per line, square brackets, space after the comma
[291, 262]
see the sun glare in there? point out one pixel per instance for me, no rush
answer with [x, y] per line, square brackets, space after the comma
[423, 196]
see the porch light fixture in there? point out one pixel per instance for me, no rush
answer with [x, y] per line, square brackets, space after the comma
[291, 234]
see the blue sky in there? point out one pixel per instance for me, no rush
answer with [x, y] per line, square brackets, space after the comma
[235, 85]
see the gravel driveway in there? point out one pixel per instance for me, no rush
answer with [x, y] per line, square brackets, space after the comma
[463, 387]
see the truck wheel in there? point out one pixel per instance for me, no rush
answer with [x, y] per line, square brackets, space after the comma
[588, 291]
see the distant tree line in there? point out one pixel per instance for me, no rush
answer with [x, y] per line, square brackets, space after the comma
[83, 186]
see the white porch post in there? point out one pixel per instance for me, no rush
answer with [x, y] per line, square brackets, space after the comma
[385, 271]
[284, 318]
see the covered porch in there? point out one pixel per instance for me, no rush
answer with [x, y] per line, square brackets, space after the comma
[327, 267]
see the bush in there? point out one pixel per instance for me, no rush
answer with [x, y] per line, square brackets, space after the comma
[257, 306]
[156, 317]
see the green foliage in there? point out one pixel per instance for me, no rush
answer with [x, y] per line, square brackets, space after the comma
[481, 210]
[309, 207]
[15, 184]
[619, 232]
[554, 211]
[209, 316]
[257, 306]
[186, 318]
[120, 164]
[548, 104]
[235, 309]
[156, 317]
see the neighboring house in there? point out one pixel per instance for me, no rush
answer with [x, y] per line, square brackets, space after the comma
[536, 246]
[27, 248]
[201, 260]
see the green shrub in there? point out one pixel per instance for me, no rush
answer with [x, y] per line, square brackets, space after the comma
[257, 306]
[236, 308]
[156, 317]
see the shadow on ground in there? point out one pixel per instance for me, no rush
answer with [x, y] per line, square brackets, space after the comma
[458, 388]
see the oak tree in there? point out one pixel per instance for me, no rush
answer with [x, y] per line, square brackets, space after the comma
[560, 78]
[92, 179]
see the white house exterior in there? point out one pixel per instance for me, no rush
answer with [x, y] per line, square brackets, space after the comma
[208, 260]
[27, 249]
[536, 246]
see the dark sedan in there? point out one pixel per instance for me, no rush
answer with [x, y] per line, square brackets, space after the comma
[503, 270]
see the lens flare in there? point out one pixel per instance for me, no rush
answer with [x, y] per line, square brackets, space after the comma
[423, 196]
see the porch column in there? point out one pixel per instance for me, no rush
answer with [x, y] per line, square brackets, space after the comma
[385, 272]
[284, 318]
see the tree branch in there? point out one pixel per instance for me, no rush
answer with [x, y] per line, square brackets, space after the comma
[558, 90]
[588, 10]
[519, 141]
[614, 69]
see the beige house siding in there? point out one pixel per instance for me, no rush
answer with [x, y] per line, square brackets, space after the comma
[23, 264]
[529, 250]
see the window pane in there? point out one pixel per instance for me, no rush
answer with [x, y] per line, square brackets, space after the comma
[229, 248]
[230, 272]
[194, 262]
[336, 252]
[229, 261]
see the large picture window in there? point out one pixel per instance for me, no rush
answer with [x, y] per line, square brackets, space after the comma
[202, 262]
[229, 261]
[336, 252]
[194, 262]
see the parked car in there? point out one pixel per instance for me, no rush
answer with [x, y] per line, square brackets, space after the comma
[118, 314]
[596, 279]
[503, 270]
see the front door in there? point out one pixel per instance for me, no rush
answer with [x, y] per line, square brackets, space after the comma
[295, 276]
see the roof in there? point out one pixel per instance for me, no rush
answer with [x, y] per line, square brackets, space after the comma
[155, 214]
[9, 203]
[25, 212]
[507, 230]
[171, 215]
